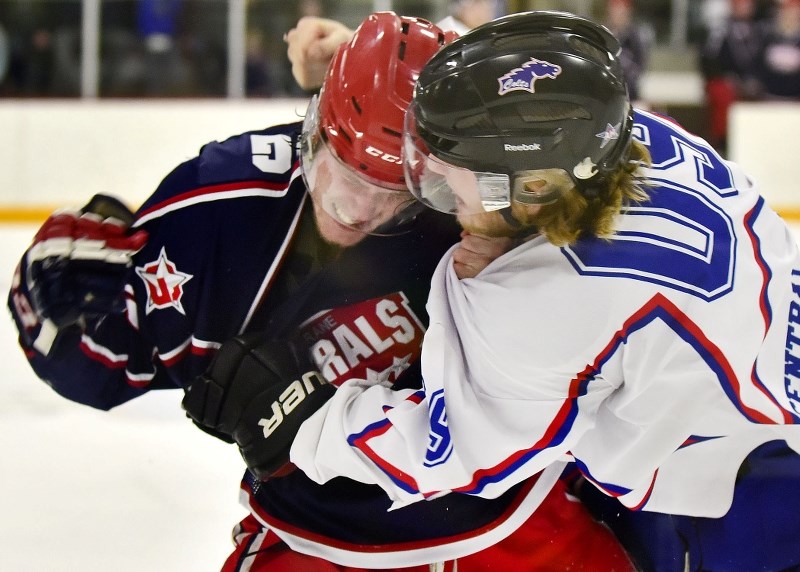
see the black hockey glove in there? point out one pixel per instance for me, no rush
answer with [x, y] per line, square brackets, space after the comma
[78, 262]
[253, 394]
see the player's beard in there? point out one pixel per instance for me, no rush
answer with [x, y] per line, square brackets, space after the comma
[494, 224]
[347, 213]
[332, 230]
[335, 232]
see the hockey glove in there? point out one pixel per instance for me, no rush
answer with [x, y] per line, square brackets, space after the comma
[253, 394]
[78, 262]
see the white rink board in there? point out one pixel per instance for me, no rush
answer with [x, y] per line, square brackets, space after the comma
[59, 153]
[764, 138]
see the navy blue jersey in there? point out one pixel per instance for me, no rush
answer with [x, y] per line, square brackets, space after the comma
[225, 254]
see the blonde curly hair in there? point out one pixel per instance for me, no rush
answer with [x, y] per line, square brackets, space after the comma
[574, 215]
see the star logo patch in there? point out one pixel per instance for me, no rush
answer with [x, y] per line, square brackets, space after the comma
[610, 133]
[164, 283]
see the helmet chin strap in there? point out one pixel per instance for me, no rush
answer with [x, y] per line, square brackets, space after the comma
[508, 216]
[521, 232]
[399, 223]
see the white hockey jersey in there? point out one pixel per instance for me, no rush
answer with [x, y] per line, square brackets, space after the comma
[656, 360]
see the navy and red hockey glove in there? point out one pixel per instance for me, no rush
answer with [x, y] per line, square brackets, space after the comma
[255, 395]
[78, 262]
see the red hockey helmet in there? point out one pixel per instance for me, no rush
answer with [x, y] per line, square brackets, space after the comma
[361, 113]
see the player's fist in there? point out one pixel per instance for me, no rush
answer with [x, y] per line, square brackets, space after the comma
[475, 252]
[253, 393]
[310, 48]
[78, 262]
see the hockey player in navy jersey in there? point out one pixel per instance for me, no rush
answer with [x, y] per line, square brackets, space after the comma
[645, 329]
[307, 235]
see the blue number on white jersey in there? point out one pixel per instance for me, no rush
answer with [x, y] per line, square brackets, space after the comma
[680, 238]
[672, 147]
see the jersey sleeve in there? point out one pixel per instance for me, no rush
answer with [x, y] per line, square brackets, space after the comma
[217, 227]
[459, 433]
[90, 365]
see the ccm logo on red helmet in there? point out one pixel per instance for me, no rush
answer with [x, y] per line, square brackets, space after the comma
[385, 156]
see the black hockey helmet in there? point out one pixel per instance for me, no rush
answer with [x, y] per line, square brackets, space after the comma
[529, 91]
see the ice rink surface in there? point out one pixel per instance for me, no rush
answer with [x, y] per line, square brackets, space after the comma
[135, 489]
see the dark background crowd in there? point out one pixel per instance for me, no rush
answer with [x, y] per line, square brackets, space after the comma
[738, 49]
[753, 55]
[148, 48]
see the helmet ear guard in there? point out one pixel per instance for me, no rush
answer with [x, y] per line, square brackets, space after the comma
[594, 184]
[521, 191]
[528, 92]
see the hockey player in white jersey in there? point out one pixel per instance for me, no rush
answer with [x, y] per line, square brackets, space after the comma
[644, 329]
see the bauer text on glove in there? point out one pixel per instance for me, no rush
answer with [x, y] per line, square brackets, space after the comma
[255, 394]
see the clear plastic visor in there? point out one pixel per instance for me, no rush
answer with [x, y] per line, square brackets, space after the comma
[457, 190]
[350, 198]
[448, 188]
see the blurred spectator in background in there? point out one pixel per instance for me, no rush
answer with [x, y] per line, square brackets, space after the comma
[468, 14]
[636, 39]
[729, 62]
[258, 79]
[157, 24]
[39, 63]
[5, 55]
[779, 62]
[305, 9]
[311, 8]
[43, 43]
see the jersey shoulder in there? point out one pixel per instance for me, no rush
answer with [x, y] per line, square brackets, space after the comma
[217, 226]
[263, 159]
[268, 154]
[681, 158]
